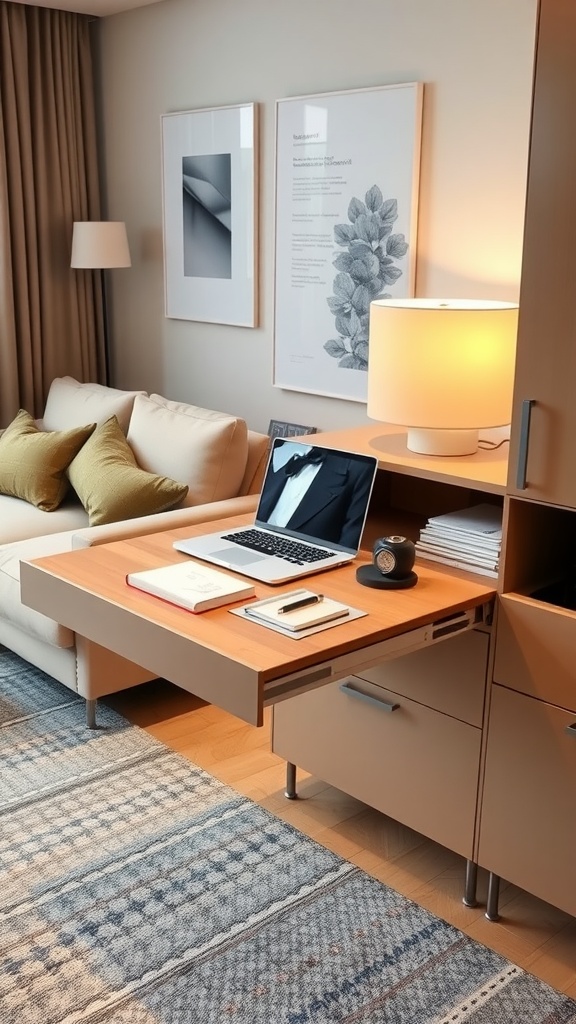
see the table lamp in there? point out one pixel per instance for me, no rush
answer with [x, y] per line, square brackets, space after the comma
[100, 245]
[442, 368]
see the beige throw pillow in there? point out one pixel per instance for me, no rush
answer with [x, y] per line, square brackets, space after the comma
[70, 403]
[205, 449]
[111, 485]
[33, 462]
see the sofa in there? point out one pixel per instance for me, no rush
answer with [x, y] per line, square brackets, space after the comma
[102, 464]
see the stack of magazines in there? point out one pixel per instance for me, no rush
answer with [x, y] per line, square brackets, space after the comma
[467, 539]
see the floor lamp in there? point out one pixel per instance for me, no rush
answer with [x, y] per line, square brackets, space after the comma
[100, 245]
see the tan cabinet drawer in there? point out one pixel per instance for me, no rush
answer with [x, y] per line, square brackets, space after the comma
[528, 824]
[536, 650]
[412, 763]
[449, 677]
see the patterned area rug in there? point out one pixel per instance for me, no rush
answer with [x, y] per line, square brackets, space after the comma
[137, 889]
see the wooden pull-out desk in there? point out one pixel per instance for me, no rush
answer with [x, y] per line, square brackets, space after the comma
[236, 664]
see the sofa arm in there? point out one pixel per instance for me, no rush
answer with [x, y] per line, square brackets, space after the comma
[162, 521]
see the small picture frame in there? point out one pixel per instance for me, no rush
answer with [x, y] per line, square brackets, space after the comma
[279, 428]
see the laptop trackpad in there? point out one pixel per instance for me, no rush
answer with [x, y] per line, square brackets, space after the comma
[237, 556]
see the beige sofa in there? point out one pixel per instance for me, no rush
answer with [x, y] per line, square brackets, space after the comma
[209, 461]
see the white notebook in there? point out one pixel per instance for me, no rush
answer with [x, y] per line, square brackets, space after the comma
[269, 610]
[189, 585]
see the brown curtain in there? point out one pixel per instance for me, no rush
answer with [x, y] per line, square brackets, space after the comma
[51, 317]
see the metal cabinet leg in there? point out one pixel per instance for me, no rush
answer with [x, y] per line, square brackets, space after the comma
[469, 897]
[91, 714]
[493, 897]
[290, 791]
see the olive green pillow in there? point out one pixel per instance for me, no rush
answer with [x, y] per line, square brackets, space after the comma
[33, 462]
[111, 485]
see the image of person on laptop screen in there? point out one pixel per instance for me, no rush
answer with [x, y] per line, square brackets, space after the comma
[316, 491]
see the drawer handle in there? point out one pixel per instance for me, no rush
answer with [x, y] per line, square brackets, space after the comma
[571, 729]
[523, 448]
[384, 705]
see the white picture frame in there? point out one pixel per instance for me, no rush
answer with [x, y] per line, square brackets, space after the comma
[347, 176]
[209, 186]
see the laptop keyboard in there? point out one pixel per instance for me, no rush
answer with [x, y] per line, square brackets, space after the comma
[282, 547]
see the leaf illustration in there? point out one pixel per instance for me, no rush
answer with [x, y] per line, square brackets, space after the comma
[397, 246]
[343, 286]
[344, 233]
[352, 362]
[335, 347]
[361, 300]
[363, 270]
[390, 274]
[389, 211]
[348, 327]
[344, 261]
[360, 350]
[358, 248]
[337, 306]
[374, 199]
[355, 209]
[359, 272]
[368, 227]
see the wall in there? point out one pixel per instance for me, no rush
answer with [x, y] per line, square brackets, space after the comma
[475, 58]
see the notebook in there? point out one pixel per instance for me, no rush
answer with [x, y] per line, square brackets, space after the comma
[310, 516]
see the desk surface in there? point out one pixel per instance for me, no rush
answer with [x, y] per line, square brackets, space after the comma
[234, 663]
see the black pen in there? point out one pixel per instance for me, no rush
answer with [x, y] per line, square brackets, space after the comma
[303, 603]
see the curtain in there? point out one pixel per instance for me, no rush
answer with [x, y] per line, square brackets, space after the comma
[51, 317]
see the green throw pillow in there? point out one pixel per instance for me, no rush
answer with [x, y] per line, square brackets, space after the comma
[111, 485]
[33, 462]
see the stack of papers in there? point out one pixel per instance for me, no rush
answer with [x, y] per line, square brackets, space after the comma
[468, 539]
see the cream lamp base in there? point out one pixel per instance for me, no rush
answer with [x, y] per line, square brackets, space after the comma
[442, 442]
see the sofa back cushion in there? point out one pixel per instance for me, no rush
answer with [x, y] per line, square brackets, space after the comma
[206, 450]
[70, 404]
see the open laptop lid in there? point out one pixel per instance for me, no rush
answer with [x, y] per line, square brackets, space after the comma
[333, 504]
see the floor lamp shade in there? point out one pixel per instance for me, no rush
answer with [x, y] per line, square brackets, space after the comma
[442, 368]
[99, 245]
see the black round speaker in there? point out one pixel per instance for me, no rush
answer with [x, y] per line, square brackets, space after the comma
[393, 558]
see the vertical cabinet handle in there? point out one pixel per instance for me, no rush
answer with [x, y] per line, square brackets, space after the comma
[571, 730]
[524, 438]
[384, 705]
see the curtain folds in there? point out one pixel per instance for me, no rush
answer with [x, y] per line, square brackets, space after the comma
[51, 317]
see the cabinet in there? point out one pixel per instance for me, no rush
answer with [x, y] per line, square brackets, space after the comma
[528, 824]
[527, 828]
[405, 736]
[546, 359]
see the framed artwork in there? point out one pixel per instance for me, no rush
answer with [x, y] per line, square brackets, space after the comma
[209, 182]
[280, 428]
[347, 172]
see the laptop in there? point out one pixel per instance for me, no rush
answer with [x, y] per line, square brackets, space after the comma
[310, 516]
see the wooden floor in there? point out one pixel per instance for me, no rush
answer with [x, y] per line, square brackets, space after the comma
[532, 934]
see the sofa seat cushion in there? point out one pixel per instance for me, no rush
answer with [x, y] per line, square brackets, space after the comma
[70, 403]
[206, 450]
[19, 520]
[33, 462]
[11, 607]
[110, 484]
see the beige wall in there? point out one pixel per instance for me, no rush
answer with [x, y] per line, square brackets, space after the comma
[475, 58]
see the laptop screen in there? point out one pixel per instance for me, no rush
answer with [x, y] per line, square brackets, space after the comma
[316, 494]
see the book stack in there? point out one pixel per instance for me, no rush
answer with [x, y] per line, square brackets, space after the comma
[467, 539]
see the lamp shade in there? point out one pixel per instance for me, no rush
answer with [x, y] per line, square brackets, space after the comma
[442, 368]
[99, 244]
